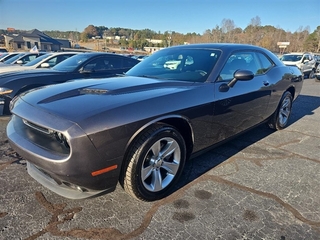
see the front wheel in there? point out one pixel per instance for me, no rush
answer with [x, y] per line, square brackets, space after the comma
[155, 163]
[311, 74]
[280, 118]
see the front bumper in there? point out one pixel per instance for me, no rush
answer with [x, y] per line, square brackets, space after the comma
[65, 189]
[67, 172]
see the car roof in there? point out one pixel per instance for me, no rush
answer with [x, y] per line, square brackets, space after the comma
[222, 46]
[297, 53]
[98, 53]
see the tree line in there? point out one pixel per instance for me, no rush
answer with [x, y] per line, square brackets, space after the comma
[227, 32]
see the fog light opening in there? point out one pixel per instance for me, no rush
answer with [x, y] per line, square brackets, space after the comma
[75, 187]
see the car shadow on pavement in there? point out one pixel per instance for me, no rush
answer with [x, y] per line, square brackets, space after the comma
[303, 106]
[194, 168]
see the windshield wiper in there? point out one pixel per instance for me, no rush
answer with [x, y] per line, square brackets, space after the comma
[149, 76]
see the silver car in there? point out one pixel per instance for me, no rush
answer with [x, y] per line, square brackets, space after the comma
[304, 61]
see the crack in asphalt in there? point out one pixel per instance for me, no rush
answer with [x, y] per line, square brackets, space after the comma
[60, 215]
[296, 154]
[57, 210]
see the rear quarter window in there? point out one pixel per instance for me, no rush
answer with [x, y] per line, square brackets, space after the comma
[265, 62]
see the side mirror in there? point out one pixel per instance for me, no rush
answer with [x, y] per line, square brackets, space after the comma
[244, 75]
[45, 65]
[86, 69]
[19, 62]
[241, 75]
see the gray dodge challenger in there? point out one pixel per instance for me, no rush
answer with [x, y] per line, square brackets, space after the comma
[81, 138]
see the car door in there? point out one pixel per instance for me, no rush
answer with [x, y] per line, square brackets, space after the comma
[243, 105]
[307, 63]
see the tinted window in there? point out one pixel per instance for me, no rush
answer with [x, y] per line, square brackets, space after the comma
[256, 62]
[115, 62]
[129, 62]
[72, 63]
[57, 59]
[28, 58]
[239, 60]
[98, 64]
[110, 63]
[37, 60]
[266, 64]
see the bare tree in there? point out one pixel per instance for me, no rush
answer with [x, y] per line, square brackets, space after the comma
[227, 26]
[255, 22]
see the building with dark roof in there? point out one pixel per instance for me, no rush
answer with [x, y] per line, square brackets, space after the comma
[27, 40]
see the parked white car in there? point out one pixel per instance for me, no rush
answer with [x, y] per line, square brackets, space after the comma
[45, 61]
[317, 74]
[304, 61]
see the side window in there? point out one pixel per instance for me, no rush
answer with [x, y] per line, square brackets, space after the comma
[104, 63]
[62, 58]
[128, 63]
[239, 60]
[305, 57]
[29, 58]
[96, 65]
[52, 62]
[115, 62]
[32, 57]
[266, 64]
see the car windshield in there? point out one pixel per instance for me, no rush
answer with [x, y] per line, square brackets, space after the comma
[37, 60]
[291, 58]
[72, 63]
[11, 60]
[192, 65]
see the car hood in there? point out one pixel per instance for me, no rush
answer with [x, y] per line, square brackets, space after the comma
[79, 101]
[8, 76]
[4, 68]
[290, 63]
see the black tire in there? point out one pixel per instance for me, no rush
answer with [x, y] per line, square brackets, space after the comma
[279, 120]
[311, 74]
[154, 163]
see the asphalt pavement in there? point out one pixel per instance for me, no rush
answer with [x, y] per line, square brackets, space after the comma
[262, 185]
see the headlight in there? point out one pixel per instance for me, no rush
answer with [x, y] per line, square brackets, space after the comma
[12, 102]
[5, 91]
[62, 139]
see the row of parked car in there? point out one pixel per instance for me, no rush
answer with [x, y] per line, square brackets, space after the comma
[20, 72]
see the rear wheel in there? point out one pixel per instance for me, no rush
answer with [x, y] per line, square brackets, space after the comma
[279, 120]
[155, 163]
